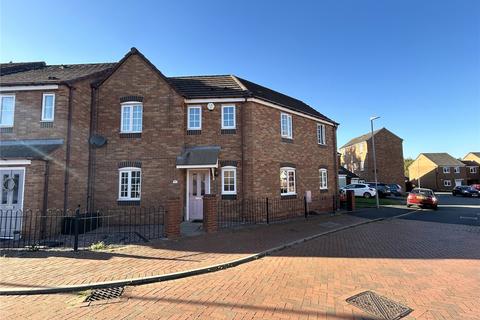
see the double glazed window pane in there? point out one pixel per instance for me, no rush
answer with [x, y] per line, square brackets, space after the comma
[229, 117]
[130, 182]
[194, 118]
[286, 126]
[287, 181]
[229, 180]
[6, 111]
[48, 105]
[132, 118]
[321, 133]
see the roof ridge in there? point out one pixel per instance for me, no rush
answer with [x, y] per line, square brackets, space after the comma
[79, 64]
[201, 76]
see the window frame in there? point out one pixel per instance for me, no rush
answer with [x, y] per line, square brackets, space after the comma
[131, 105]
[445, 183]
[1, 110]
[446, 170]
[321, 135]
[289, 133]
[234, 170]
[189, 127]
[456, 170]
[129, 170]
[289, 193]
[43, 118]
[473, 169]
[322, 171]
[234, 116]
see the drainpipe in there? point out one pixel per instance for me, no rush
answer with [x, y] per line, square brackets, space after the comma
[91, 151]
[69, 139]
[335, 165]
[45, 199]
[243, 110]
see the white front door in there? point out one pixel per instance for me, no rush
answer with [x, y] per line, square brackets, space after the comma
[11, 201]
[458, 182]
[198, 186]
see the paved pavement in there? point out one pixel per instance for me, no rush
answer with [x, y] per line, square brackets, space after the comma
[429, 267]
[60, 268]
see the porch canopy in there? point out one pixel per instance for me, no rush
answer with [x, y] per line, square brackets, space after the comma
[199, 157]
[35, 149]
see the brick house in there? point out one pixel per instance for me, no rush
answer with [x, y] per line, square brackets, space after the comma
[472, 163]
[139, 138]
[357, 157]
[437, 171]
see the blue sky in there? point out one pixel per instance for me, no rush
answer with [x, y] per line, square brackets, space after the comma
[414, 63]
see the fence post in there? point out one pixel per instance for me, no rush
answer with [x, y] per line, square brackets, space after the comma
[75, 226]
[210, 213]
[268, 213]
[305, 205]
[173, 219]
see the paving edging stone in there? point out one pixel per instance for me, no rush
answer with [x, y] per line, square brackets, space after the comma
[181, 274]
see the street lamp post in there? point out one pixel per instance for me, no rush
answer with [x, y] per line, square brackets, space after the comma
[374, 160]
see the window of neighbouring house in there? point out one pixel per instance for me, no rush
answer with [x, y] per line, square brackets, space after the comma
[228, 117]
[473, 169]
[48, 107]
[131, 119]
[286, 126]
[446, 169]
[323, 179]
[321, 134]
[229, 180]
[287, 181]
[7, 110]
[457, 169]
[194, 115]
[362, 165]
[129, 183]
[447, 183]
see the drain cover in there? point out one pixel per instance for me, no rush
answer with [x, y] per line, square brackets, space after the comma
[104, 294]
[379, 306]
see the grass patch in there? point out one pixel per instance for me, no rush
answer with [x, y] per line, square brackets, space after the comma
[372, 202]
[98, 246]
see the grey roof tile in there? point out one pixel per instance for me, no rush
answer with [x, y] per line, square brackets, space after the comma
[443, 159]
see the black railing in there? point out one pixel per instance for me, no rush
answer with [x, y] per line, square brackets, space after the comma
[74, 229]
[243, 212]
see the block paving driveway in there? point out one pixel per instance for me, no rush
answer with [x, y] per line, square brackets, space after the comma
[431, 267]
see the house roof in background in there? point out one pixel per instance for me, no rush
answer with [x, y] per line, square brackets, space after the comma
[54, 74]
[13, 67]
[346, 172]
[476, 154]
[470, 163]
[366, 137]
[443, 159]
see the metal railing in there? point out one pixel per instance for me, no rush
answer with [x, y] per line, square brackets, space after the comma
[74, 229]
[243, 212]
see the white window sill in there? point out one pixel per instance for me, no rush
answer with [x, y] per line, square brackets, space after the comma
[228, 128]
[229, 193]
[200, 128]
[324, 188]
[287, 194]
[132, 199]
[130, 131]
[6, 126]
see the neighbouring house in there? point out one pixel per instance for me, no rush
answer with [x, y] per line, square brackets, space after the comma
[119, 135]
[472, 163]
[357, 157]
[437, 171]
[346, 177]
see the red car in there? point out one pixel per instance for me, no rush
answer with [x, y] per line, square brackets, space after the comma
[423, 198]
[476, 186]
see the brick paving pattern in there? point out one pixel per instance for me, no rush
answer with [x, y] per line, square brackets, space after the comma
[55, 268]
[429, 267]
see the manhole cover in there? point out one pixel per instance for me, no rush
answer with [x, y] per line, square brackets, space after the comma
[379, 306]
[104, 294]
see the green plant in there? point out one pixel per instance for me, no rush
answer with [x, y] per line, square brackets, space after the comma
[98, 246]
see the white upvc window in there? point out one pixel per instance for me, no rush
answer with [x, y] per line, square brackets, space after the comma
[228, 117]
[447, 183]
[194, 118]
[48, 107]
[286, 126]
[287, 181]
[362, 165]
[129, 183]
[457, 169]
[323, 179]
[7, 110]
[473, 169]
[131, 118]
[321, 134]
[446, 169]
[229, 180]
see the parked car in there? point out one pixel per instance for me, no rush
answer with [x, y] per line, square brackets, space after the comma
[423, 198]
[360, 190]
[465, 191]
[382, 188]
[476, 186]
[395, 189]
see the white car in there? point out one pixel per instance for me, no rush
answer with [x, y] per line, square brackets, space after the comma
[361, 190]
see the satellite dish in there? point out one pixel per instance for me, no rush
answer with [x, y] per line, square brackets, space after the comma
[97, 140]
[210, 106]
